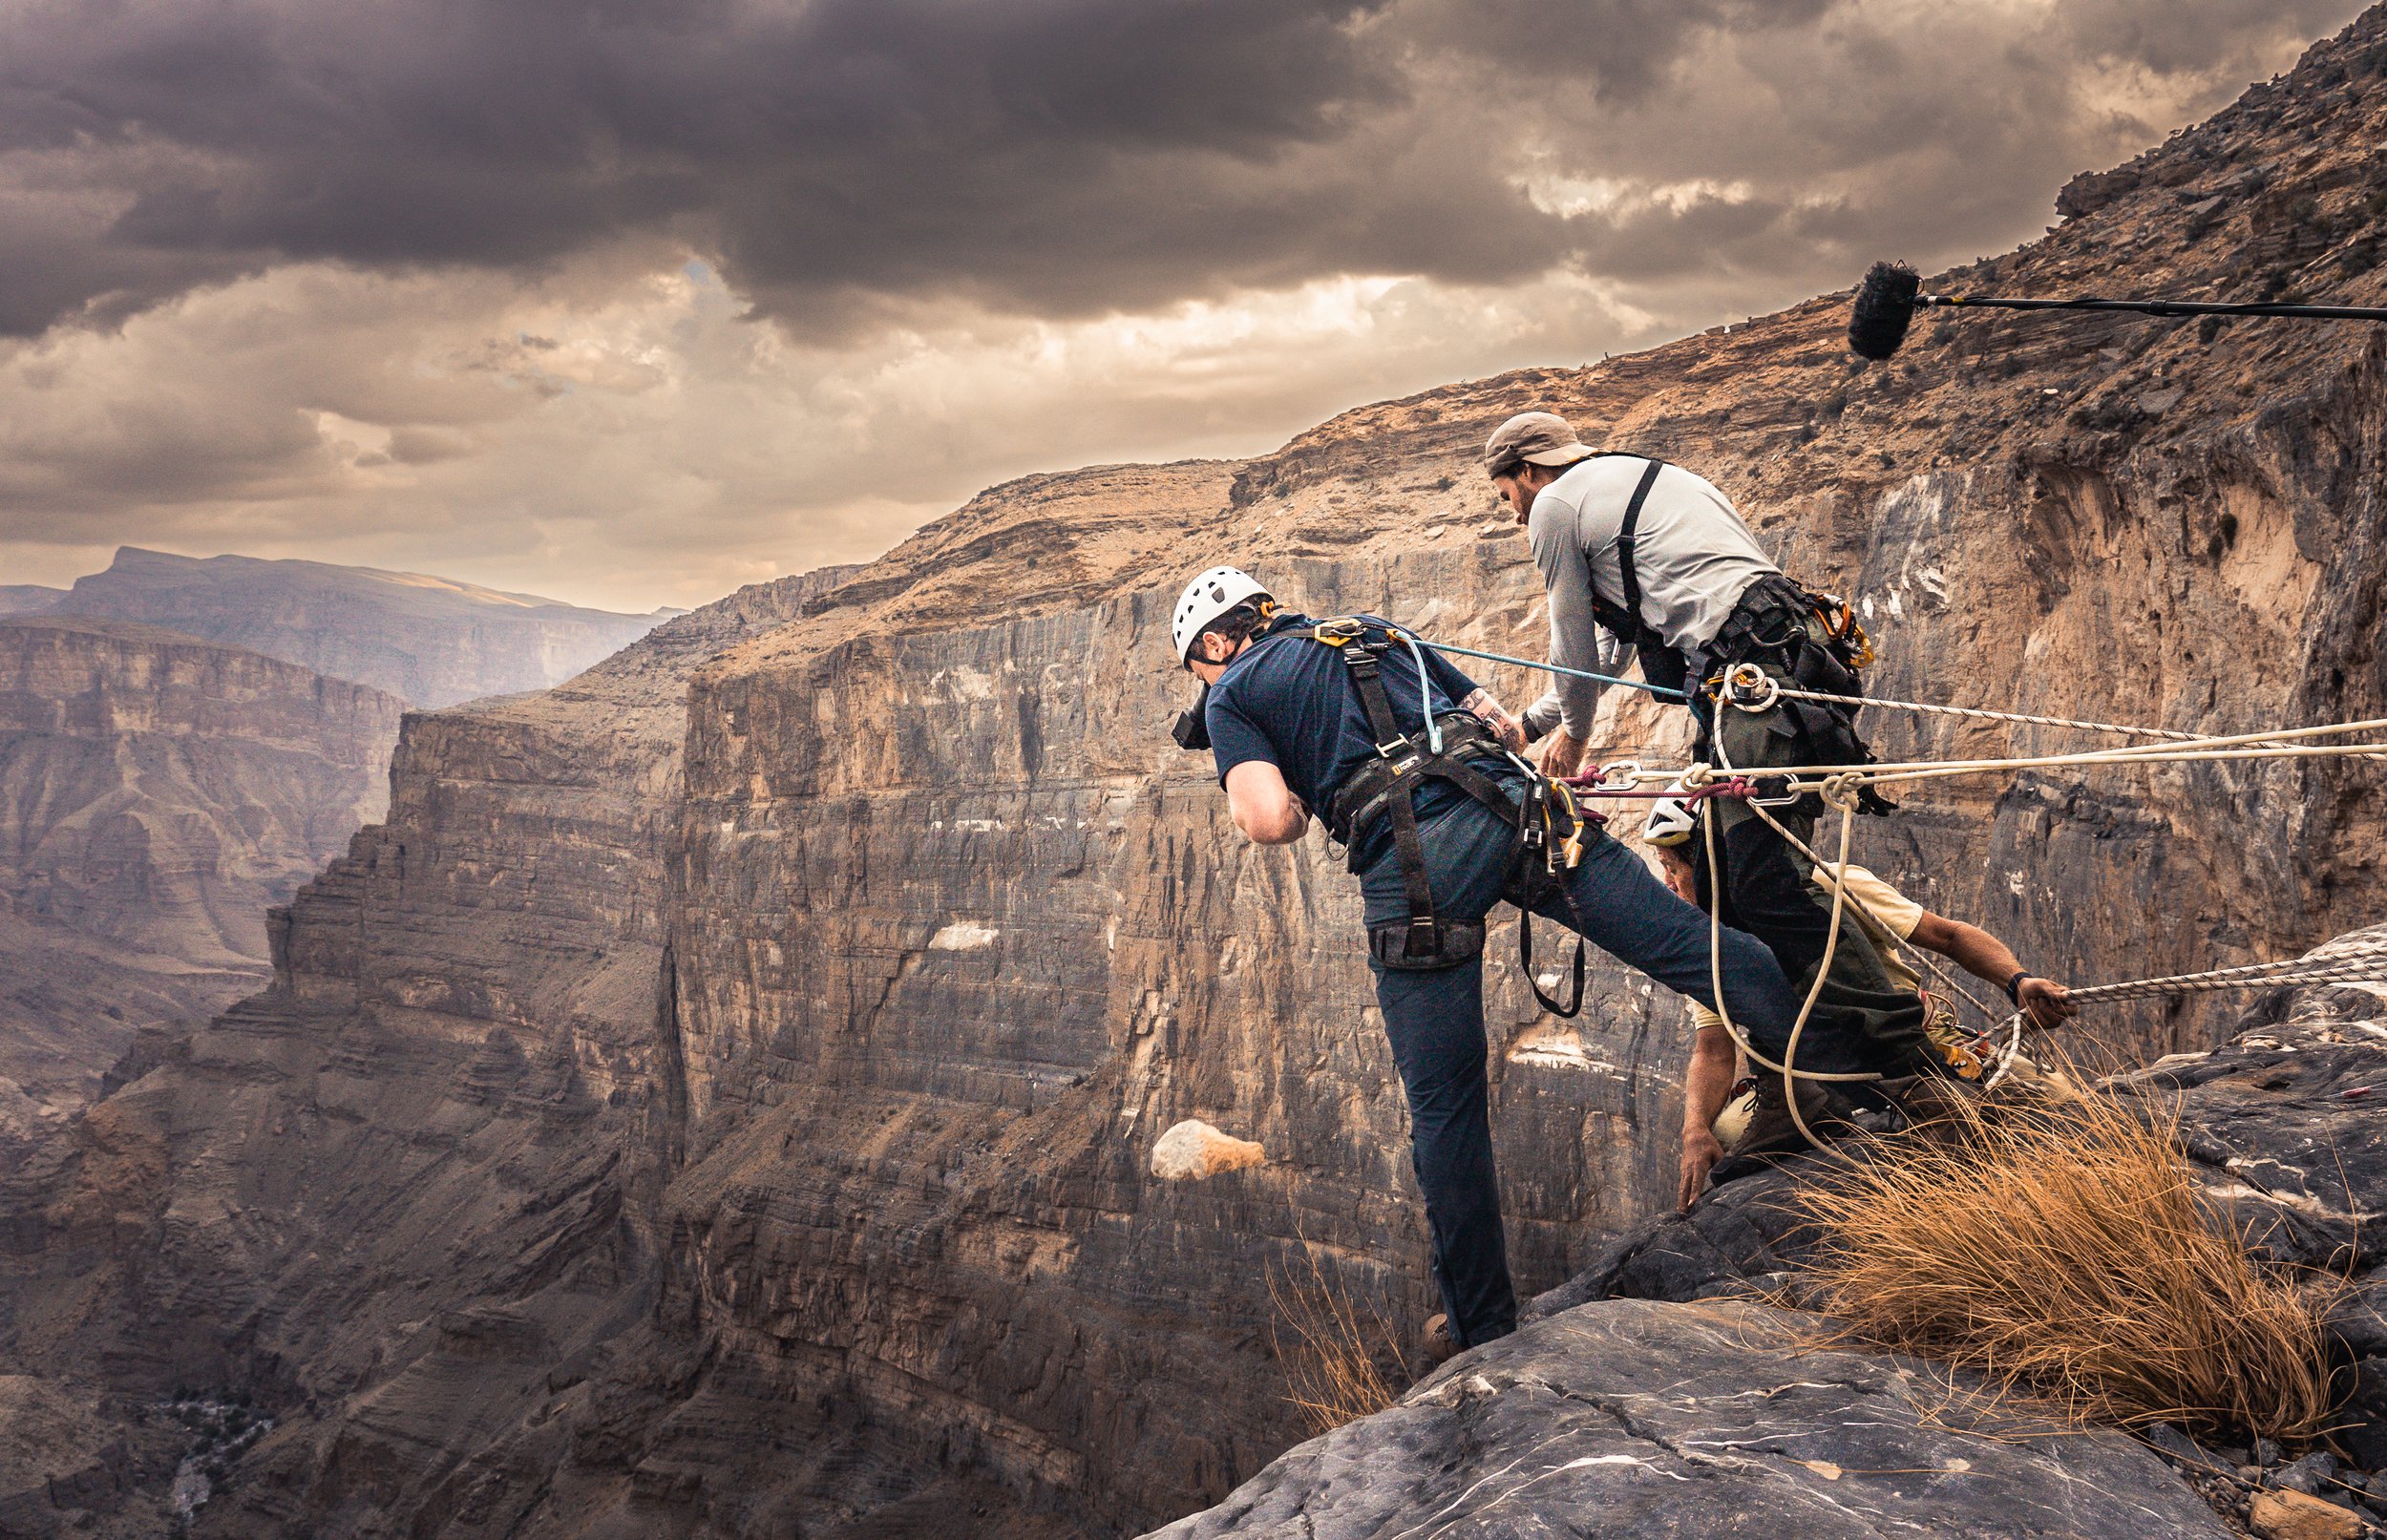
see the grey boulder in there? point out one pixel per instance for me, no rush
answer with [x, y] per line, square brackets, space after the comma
[1628, 1418]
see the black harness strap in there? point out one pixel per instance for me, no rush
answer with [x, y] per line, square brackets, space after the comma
[1661, 664]
[1524, 959]
[1628, 545]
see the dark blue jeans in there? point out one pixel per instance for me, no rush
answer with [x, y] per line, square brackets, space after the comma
[1435, 1021]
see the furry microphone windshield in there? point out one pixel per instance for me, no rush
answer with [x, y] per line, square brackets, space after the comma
[1885, 307]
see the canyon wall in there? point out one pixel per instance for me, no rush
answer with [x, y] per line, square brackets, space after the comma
[157, 793]
[719, 1100]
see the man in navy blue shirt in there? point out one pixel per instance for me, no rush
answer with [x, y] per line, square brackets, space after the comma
[1290, 726]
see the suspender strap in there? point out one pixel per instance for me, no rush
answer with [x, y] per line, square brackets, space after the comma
[1628, 541]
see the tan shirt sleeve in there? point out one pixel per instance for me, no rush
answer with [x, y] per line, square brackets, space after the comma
[1895, 910]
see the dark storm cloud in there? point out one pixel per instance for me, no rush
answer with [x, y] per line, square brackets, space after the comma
[838, 158]
[873, 146]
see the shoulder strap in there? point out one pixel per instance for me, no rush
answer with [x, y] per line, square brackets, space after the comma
[1628, 539]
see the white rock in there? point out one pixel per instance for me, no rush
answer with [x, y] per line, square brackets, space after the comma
[1194, 1150]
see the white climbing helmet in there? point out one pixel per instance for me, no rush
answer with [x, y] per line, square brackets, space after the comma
[1672, 821]
[1205, 598]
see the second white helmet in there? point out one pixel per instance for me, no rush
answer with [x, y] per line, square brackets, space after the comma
[1671, 821]
[1207, 598]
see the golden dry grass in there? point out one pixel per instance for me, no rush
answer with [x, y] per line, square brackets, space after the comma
[2068, 1256]
[1341, 1356]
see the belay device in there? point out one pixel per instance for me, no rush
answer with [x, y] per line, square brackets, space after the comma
[1550, 827]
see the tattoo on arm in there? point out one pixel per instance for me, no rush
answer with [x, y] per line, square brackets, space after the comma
[1483, 703]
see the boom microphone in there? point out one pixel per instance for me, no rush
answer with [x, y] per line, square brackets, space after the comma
[1887, 301]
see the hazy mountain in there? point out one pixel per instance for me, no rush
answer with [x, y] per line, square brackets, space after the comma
[430, 640]
[27, 597]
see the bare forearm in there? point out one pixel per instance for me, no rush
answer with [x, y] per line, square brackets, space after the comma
[1984, 955]
[1262, 806]
[1274, 826]
[1707, 1084]
[1980, 953]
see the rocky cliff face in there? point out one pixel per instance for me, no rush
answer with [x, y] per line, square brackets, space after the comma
[430, 640]
[157, 793]
[720, 1100]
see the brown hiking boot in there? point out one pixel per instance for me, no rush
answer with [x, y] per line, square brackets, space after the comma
[1440, 1346]
[1772, 1131]
[1957, 1050]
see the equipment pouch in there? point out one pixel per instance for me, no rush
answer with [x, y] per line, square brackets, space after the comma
[1457, 942]
[1815, 666]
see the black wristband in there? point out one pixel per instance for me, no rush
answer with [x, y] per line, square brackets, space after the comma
[2013, 985]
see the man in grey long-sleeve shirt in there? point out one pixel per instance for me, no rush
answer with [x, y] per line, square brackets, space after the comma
[1693, 558]
[1639, 556]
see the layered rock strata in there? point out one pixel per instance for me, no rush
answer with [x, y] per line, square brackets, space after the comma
[156, 794]
[722, 1097]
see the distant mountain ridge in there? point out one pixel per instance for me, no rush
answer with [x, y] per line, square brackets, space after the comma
[27, 597]
[432, 641]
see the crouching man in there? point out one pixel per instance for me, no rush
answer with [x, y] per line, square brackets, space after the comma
[1725, 1134]
[1406, 760]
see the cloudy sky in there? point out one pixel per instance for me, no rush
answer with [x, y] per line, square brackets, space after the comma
[629, 302]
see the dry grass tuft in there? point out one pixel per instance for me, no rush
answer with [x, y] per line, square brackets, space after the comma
[2068, 1256]
[1342, 1358]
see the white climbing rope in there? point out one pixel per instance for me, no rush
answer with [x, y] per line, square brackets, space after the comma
[1983, 714]
[2360, 960]
[2289, 743]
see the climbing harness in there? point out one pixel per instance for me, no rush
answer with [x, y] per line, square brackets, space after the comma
[1551, 827]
